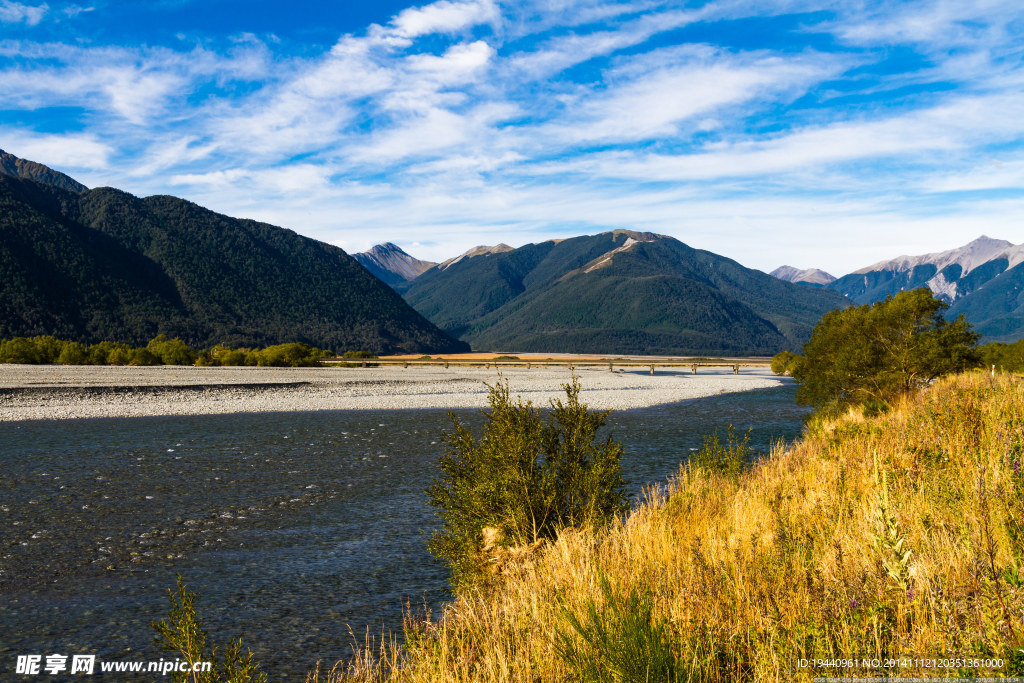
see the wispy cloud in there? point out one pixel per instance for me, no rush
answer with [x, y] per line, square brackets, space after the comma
[16, 12]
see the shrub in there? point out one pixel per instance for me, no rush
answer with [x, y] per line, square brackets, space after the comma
[171, 351]
[728, 459]
[19, 350]
[784, 362]
[360, 354]
[290, 355]
[73, 353]
[618, 641]
[525, 478]
[143, 356]
[182, 633]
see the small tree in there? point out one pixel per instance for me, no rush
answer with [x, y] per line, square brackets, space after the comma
[784, 362]
[873, 353]
[171, 351]
[183, 633]
[73, 353]
[525, 477]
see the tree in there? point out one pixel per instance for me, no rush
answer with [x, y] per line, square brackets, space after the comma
[784, 362]
[524, 479]
[873, 353]
[73, 353]
[171, 351]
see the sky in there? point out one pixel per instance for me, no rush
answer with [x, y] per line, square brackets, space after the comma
[814, 134]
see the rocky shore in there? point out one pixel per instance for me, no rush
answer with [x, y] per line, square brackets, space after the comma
[34, 392]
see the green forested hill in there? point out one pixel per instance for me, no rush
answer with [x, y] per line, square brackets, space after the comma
[103, 264]
[618, 292]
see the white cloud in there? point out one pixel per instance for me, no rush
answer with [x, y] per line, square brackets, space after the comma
[75, 151]
[953, 127]
[134, 84]
[562, 52]
[444, 16]
[458, 64]
[16, 12]
[651, 99]
[932, 22]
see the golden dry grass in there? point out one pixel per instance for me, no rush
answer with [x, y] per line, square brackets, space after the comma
[803, 557]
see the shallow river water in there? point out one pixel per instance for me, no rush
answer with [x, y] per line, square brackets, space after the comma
[292, 528]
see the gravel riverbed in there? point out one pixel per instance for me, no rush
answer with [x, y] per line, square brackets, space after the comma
[47, 392]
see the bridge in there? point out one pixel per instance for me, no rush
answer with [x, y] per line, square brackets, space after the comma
[529, 362]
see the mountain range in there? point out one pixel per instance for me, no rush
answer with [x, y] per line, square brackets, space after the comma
[983, 279]
[616, 292]
[102, 264]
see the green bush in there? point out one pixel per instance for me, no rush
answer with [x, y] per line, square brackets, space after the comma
[360, 354]
[182, 633]
[784, 362]
[728, 459]
[525, 477]
[73, 353]
[290, 355]
[1006, 357]
[619, 641]
[171, 351]
[144, 357]
[20, 350]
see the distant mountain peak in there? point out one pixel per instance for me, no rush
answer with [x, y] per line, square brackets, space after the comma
[475, 251]
[970, 256]
[30, 170]
[814, 276]
[638, 236]
[390, 263]
[982, 279]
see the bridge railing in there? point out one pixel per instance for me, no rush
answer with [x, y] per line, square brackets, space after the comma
[611, 364]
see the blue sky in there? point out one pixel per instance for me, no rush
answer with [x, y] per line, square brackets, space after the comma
[824, 134]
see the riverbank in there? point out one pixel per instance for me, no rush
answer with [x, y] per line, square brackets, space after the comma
[55, 392]
[884, 546]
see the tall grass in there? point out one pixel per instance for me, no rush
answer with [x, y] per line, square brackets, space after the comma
[874, 537]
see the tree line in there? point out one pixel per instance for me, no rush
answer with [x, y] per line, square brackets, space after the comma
[47, 350]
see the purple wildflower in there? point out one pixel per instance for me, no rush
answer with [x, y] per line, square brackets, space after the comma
[855, 603]
[1016, 467]
[910, 594]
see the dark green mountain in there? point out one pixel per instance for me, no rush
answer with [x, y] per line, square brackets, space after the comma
[103, 264]
[983, 280]
[617, 292]
[23, 168]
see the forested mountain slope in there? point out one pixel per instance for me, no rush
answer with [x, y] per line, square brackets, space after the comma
[103, 264]
[617, 292]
